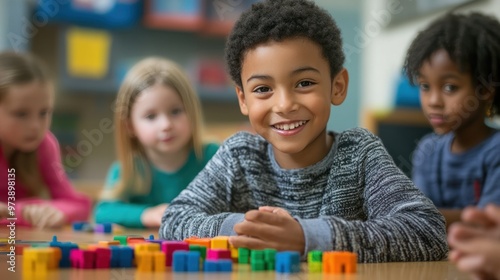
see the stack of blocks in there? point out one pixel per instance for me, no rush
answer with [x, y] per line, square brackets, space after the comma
[191, 255]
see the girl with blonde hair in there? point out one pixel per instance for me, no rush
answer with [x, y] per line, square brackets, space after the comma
[34, 188]
[159, 144]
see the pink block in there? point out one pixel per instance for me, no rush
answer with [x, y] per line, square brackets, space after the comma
[218, 254]
[169, 247]
[103, 257]
[82, 258]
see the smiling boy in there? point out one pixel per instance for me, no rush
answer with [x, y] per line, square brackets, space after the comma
[295, 185]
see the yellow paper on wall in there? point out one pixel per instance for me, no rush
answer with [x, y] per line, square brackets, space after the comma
[88, 52]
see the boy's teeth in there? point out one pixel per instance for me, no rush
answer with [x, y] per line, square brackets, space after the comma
[289, 126]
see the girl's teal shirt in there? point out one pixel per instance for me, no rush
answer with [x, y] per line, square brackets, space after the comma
[164, 188]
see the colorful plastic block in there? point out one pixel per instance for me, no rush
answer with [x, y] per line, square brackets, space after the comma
[218, 254]
[199, 248]
[132, 239]
[193, 240]
[79, 226]
[145, 261]
[109, 243]
[103, 228]
[270, 258]
[243, 255]
[121, 238]
[288, 262]
[315, 261]
[234, 253]
[339, 262]
[159, 261]
[186, 261]
[126, 256]
[82, 258]
[220, 242]
[66, 248]
[37, 260]
[223, 265]
[102, 257]
[169, 247]
[257, 262]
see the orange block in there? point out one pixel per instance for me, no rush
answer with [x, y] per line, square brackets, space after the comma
[339, 262]
[109, 243]
[199, 241]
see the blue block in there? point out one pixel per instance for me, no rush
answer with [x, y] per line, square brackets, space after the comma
[287, 262]
[78, 226]
[193, 261]
[179, 261]
[211, 266]
[218, 266]
[185, 261]
[225, 266]
[126, 256]
[66, 248]
[115, 256]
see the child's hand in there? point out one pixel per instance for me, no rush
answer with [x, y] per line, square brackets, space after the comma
[262, 229]
[480, 257]
[275, 210]
[151, 217]
[43, 216]
[4, 211]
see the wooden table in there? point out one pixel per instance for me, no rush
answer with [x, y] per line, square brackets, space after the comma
[384, 271]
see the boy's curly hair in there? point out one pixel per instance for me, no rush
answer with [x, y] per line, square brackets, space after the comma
[277, 20]
[472, 42]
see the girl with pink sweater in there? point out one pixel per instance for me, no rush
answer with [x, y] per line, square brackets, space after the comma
[34, 189]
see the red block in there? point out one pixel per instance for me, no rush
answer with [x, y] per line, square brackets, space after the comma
[82, 258]
[169, 247]
[102, 258]
[218, 254]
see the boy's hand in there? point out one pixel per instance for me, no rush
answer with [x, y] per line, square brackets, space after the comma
[263, 229]
[151, 217]
[480, 257]
[43, 216]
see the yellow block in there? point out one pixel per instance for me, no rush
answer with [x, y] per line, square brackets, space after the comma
[220, 242]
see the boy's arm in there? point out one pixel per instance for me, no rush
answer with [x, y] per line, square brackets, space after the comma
[202, 209]
[401, 224]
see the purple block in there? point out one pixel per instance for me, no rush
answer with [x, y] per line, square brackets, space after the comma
[103, 228]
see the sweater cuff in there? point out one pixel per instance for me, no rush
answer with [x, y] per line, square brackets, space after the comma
[317, 234]
[227, 227]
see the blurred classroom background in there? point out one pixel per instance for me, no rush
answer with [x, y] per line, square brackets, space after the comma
[90, 44]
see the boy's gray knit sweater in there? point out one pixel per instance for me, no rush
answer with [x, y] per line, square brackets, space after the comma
[355, 199]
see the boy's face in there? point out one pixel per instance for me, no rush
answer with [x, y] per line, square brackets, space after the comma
[448, 96]
[287, 93]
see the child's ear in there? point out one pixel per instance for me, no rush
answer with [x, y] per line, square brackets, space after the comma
[339, 87]
[242, 101]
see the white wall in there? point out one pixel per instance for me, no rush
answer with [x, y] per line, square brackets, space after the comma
[384, 48]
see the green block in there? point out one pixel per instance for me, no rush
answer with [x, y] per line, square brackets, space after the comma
[243, 255]
[257, 255]
[315, 266]
[269, 258]
[257, 265]
[121, 238]
[201, 249]
[315, 256]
